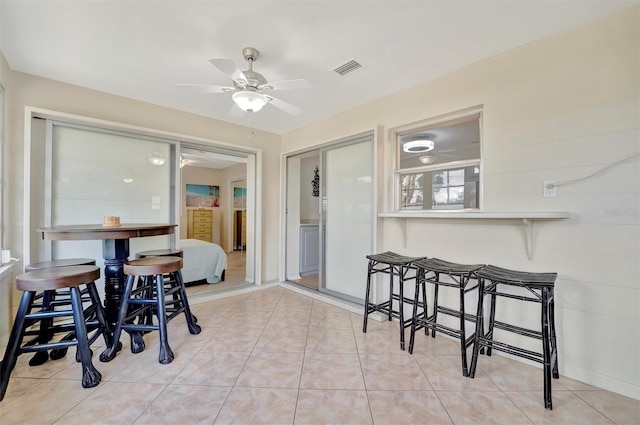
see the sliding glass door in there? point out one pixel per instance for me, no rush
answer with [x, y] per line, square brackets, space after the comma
[329, 217]
[347, 209]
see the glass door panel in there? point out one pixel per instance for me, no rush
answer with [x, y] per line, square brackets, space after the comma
[346, 177]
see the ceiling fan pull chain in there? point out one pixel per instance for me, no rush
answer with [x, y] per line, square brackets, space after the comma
[251, 126]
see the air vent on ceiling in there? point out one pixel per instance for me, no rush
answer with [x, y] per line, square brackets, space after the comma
[347, 67]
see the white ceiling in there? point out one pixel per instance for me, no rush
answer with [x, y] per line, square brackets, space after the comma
[143, 49]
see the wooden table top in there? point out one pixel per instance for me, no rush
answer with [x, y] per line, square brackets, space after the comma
[99, 231]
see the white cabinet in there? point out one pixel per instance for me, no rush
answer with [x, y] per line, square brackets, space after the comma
[309, 254]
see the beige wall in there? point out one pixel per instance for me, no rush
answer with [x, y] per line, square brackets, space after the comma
[559, 109]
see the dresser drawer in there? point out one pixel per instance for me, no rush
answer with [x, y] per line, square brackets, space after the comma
[202, 214]
[202, 236]
[197, 226]
[202, 219]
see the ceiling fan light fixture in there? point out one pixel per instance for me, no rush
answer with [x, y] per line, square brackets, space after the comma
[427, 159]
[157, 158]
[249, 101]
[420, 145]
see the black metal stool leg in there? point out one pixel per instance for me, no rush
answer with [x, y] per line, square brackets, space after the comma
[401, 306]
[110, 352]
[416, 297]
[366, 297]
[546, 349]
[479, 333]
[492, 320]
[15, 339]
[90, 375]
[436, 298]
[194, 328]
[463, 334]
[166, 354]
[40, 357]
[552, 330]
[390, 312]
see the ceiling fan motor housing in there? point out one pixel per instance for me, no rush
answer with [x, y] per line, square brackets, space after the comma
[253, 80]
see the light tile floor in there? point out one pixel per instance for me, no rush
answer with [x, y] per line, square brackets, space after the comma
[275, 356]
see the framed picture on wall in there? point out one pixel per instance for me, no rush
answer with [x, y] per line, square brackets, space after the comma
[202, 195]
[239, 197]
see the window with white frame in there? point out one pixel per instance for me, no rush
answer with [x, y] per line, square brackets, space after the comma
[437, 163]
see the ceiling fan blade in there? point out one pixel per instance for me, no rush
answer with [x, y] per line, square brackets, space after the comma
[281, 104]
[208, 88]
[229, 68]
[236, 111]
[286, 85]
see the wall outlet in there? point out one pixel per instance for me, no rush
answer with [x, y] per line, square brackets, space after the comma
[549, 189]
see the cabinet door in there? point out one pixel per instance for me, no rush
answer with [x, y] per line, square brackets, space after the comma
[309, 255]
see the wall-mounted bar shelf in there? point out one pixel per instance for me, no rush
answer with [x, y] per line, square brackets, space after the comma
[528, 219]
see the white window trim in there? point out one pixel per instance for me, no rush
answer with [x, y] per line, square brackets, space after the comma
[394, 200]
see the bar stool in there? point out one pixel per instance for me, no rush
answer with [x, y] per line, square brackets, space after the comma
[49, 280]
[458, 276]
[150, 297]
[394, 265]
[169, 282]
[49, 300]
[538, 288]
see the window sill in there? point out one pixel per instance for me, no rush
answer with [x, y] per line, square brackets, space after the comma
[528, 219]
[5, 271]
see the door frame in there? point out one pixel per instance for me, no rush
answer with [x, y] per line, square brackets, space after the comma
[377, 140]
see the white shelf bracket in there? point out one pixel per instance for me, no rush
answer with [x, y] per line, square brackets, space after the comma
[529, 237]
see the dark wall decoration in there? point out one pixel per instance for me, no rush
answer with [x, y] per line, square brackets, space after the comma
[315, 183]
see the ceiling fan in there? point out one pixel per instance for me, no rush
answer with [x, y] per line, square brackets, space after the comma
[250, 90]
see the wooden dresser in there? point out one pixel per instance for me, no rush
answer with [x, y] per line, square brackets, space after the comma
[200, 225]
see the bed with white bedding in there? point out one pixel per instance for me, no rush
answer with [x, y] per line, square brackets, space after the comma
[202, 261]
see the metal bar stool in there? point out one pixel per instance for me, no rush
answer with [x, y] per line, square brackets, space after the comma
[460, 277]
[393, 265]
[538, 288]
[49, 300]
[51, 280]
[150, 296]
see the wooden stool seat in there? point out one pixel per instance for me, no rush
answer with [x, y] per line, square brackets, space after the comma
[84, 320]
[57, 278]
[66, 262]
[150, 266]
[147, 299]
[160, 253]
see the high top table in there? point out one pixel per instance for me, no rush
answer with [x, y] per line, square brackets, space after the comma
[115, 251]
